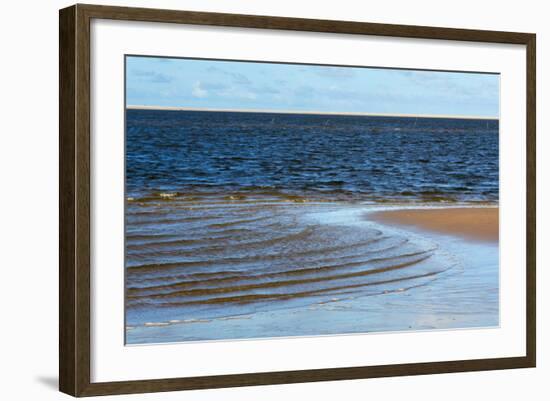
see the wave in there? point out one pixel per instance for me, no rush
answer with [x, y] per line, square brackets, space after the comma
[320, 192]
[225, 257]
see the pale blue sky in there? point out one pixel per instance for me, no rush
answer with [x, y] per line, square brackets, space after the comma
[245, 85]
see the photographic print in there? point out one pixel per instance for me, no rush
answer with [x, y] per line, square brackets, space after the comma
[269, 200]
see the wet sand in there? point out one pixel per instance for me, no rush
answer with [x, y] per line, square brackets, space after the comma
[468, 223]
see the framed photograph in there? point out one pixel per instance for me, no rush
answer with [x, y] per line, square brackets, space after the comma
[250, 200]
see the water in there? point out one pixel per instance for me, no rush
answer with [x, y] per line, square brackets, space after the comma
[233, 215]
[334, 157]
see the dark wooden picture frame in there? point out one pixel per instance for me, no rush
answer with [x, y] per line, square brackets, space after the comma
[74, 204]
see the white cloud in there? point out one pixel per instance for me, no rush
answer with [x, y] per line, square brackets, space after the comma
[247, 95]
[198, 91]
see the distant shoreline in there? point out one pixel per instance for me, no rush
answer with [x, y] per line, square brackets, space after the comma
[327, 113]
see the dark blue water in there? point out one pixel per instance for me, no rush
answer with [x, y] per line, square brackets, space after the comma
[335, 157]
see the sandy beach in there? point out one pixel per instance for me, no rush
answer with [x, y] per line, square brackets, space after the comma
[468, 223]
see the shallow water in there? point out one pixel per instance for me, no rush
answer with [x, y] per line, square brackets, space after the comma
[315, 261]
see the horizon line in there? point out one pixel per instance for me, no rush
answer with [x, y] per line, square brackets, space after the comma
[312, 112]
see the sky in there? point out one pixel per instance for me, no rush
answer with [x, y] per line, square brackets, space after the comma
[214, 84]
